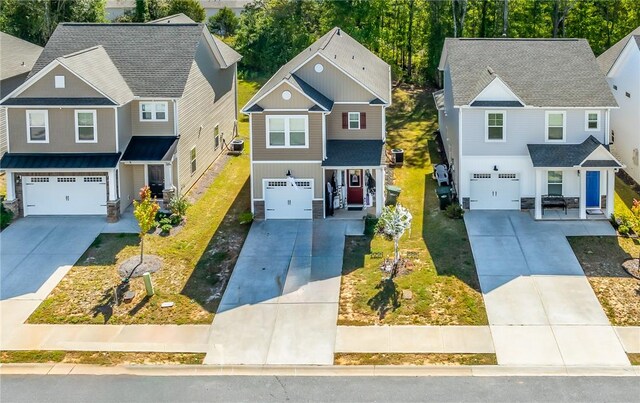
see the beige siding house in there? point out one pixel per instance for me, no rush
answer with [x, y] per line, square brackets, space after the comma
[92, 124]
[318, 133]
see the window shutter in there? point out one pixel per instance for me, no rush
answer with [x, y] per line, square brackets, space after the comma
[363, 120]
[345, 120]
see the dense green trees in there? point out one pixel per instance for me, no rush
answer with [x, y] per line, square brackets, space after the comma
[223, 23]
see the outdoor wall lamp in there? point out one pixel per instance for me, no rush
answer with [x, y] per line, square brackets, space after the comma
[288, 174]
[495, 168]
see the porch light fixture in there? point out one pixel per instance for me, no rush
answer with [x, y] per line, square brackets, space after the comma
[495, 168]
[288, 174]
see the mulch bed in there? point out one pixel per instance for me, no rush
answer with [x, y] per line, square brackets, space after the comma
[150, 264]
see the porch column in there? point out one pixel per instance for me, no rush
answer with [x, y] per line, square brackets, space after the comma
[11, 189]
[583, 195]
[538, 201]
[380, 188]
[113, 185]
[611, 190]
[168, 177]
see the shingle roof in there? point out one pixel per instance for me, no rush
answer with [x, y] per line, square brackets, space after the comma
[311, 92]
[541, 72]
[154, 59]
[16, 56]
[349, 55]
[58, 101]
[609, 56]
[567, 155]
[47, 161]
[150, 148]
[355, 153]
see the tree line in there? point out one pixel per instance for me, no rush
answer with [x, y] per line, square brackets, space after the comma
[408, 34]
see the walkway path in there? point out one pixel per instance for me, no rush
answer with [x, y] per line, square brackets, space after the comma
[281, 304]
[541, 308]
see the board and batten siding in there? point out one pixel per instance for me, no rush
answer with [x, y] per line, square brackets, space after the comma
[279, 171]
[373, 130]
[523, 126]
[139, 128]
[62, 132]
[199, 114]
[259, 139]
[274, 100]
[333, 83]
[73, 88]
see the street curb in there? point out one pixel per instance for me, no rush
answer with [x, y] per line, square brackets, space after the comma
[329, 370]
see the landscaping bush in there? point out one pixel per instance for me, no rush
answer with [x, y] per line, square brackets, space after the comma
[246, 217]
[5, 217]
[623, 223]
[178, 205]
[454, 211]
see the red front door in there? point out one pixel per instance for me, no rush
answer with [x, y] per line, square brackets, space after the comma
[354, 186]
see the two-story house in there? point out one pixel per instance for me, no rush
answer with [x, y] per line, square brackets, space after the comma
[318, 133]
[524, 121]
[621, 65]
[109, 108]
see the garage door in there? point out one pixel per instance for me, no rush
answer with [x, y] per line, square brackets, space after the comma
[494, 191]
[285, 200]
[65, 195]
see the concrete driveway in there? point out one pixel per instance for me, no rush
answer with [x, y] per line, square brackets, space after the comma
[281, 303]
[33, 249]
[541, 308]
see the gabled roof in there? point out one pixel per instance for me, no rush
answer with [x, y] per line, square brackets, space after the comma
[150, 148]
[609, 57]
[348, 55]
[311, 92]
[153, 59]
[354, 153]
[16, 56]
[541, 72]
[569, 155]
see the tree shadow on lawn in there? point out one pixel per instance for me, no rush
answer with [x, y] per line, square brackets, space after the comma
[386, 299]
[211, 274]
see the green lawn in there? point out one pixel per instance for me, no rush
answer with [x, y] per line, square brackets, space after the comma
[197, 261]
[414, 359]
[442, 275]
[99, 357]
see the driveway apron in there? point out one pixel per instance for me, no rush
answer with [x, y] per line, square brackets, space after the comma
[541, 307]
[281, 303]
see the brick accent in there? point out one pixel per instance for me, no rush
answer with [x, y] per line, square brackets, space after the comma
[258, 210]
[318, 209]
[13, 206]
[465, 203]
[113, 211]
[527, 203]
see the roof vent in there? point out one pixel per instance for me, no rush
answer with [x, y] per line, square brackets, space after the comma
[338, 31]
[335, 56]
[490, 70]
[353, 57]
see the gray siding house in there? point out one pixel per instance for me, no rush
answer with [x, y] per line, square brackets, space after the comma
[318, 133]
[525, 122]
[109, 108]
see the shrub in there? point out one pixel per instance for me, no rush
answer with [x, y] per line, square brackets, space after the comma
[624, 223]
[454, 211]
[623, 229]
[166, 228]
[246, 217]
[178, 205]
[5, 217]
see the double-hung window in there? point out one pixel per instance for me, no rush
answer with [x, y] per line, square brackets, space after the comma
[153, 111]
[495, 124]
[37, 126]
[354, 120]
[554, 183]
[86, 128]
[592, 120]
[287, 131]
[556, 125]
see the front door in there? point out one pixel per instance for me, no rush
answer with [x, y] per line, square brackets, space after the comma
[593, 189]
[156, 180]
[355, 194]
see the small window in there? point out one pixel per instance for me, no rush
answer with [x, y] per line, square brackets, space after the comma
[495, 126]
[592, 120]
[216, 137]
[86, 131]
[153, 111]
[37, 127]
[59, 81]
[554, 183]
[555, 126]
[354, 120]
[193, 160]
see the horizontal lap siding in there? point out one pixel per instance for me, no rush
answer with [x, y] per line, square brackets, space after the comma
[274, 100]
[62, 134]
[73, 87]
[3, 130]
[373, 130]
[259, 142]
[278, 171]
[151, 128]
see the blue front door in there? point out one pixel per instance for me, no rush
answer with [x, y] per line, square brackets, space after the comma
[593, 189]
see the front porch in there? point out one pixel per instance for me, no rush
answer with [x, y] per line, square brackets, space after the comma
[572, 214]
[354, 192]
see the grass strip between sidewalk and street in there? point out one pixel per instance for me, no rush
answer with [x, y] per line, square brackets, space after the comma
[414, 359]
[99, 357]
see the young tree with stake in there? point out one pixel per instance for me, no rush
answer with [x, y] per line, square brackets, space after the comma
[392, 224]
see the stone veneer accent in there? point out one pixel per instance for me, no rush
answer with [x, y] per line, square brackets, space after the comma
[318, 209]
[167, 195]
[316, 205]
[465, 203]
[113, 211]
[258, 210]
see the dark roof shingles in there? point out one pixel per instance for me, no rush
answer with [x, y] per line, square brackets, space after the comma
[57, 161]
[150, 148]
[344, 153]
[58, 102]
[564, 155]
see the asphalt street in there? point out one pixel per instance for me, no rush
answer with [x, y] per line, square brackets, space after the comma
[95, 389]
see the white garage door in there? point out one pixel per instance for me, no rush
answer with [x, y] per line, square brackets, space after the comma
[284, 200]
[65, 195]
[494, 191]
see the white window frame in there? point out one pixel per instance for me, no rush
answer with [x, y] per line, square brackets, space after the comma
[95, 125]
[46, 126]
[586, 121]
[59, 81]
[155, 111]
[349, 114]
[504, 126]
[564, 126]
[551, 183]
[286, 130]
[193, 157]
